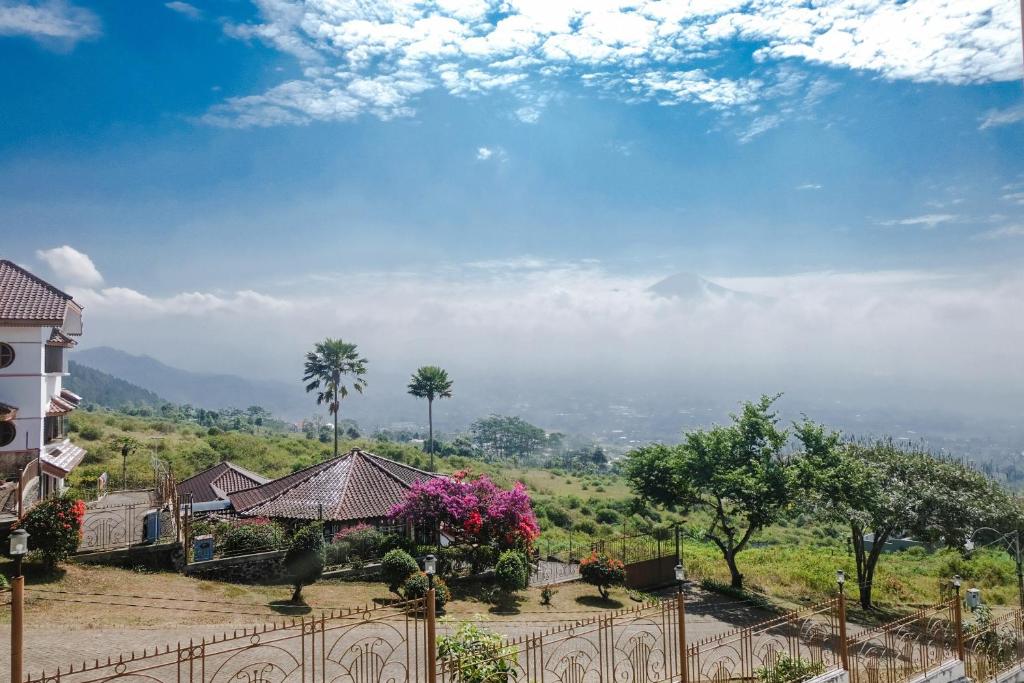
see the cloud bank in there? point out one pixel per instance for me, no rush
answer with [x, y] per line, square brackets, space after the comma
[376, 58]
[566, 325]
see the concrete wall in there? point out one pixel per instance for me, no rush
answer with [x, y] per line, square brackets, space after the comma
[22, 384]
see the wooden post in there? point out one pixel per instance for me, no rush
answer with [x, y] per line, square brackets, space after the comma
[17, 623]
[844, 650]
[431, 635]
[684, 674]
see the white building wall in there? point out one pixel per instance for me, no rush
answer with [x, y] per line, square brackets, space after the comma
[24, 385]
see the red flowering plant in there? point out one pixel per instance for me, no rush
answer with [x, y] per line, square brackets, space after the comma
[54, 527]
[602, 571]
[474, 511]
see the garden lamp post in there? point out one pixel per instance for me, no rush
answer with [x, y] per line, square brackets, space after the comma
[18, 550]
[844, 654]
[430, 568]
[680, 574]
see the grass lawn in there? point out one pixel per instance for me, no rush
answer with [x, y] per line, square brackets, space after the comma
[104, 597]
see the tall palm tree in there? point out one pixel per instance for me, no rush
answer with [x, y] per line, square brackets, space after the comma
[327, 364]
[430, 382]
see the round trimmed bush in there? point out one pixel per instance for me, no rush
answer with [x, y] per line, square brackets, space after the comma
[396, 567]
[603, 572]
[511, 572]
[416, 586]
[305, 558]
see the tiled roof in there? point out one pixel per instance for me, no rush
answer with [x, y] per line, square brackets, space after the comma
[354, 486]
[218, 481]
[59, 406]
[65, 457]
[58, 338]
[8, 412]
[24, 298]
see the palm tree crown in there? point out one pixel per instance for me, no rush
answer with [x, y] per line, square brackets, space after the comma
[430, 382]
[327, 365]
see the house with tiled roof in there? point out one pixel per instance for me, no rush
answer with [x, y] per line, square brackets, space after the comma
[215, 484]
[356, 487]
[38, 326]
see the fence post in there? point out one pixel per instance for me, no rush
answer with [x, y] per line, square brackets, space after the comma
[431, 636]
[684, 674]
[960, 653]
[844, 650]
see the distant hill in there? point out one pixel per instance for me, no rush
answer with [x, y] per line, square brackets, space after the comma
[202, 390]
[691, 287]
[96, 386]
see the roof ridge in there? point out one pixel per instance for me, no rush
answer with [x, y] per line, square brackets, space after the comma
[37, 279]
[400, 464]
[247, 473]
[211, 467]
[310, 471]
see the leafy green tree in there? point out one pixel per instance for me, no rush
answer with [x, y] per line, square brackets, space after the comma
[126, 445]
[430, 382]
[479, 655]
[511, 572]
[304, 560]
[881, 489]
[502, 437]
[735, 473]
[326, 366]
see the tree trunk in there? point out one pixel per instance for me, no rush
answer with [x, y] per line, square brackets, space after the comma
[297, 594]
[734, 571]
[335, 432]
[430, 421]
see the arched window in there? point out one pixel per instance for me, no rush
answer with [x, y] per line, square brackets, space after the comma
[7, 433]
[6, 355]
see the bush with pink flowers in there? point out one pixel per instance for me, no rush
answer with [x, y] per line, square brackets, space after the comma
[55, 529]
[473, 511]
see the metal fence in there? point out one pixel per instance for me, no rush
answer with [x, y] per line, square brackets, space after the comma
[637, 645]
[369, 645]
[995, 646]
[812, 635]
[907, 647]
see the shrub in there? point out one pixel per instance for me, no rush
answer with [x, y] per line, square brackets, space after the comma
[251, 537]
[607, 516]
[365, 543]
[336, 553]
[788, 669]
[559, 517]
[546, 594]
[415, 587]
[511, 572]
[603, 572]
[586, 527]
[478, 655]
[396, 567]
[305, 558]
[55, 529]
[91, 433]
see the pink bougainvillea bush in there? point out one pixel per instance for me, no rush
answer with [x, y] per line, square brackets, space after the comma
[475, 511]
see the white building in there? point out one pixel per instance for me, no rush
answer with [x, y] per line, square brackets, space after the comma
[38, 323]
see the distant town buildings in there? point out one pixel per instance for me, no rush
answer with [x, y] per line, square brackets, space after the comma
[38, 326]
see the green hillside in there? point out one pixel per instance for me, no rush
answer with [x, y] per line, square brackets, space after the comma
[99, 388]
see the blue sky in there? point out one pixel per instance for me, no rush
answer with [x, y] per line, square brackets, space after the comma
[190, 152]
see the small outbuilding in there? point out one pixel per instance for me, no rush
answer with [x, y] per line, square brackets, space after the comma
[210, 488]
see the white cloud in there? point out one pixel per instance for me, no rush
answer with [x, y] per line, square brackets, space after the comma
[488, 153]
[1002, 233]
[929, 220]
[665, 50]
[70, 266]
[808, 186]
[529, 318]
[54, 23]
[190, 11]
[1003, 117]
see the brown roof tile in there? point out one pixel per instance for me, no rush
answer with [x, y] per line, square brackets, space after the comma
[353, 486]
[217, 482]
[24, 298]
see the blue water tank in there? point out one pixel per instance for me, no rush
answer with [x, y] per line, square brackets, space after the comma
[202, 548]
